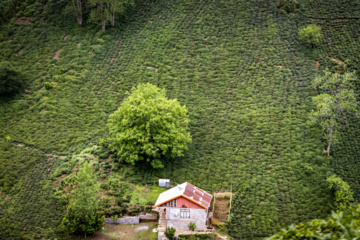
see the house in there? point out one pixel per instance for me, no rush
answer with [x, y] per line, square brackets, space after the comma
[181, 205]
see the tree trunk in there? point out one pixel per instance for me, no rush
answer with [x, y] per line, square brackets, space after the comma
[330, 138]
[79, 19]
[113, 19]
[86, 5]
[79, 12]
[103, 26]
[85, 235]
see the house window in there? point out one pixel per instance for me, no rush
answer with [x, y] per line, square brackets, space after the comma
[184, 213]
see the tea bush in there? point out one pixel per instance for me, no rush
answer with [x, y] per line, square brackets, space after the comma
[238, 66]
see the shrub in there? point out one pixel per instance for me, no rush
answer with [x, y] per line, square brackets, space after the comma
[192, 226]
[343, 193]
[170, 232]
[48, 86]
[11, 81]
[340, 225]
[105, 186]
[311, 34]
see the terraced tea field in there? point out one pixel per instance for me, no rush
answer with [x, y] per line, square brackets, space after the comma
[238, 66]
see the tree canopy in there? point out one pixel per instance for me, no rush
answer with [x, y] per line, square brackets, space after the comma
[311, 34]
[82, 215]
[10, 80]
[101, 11]
[340, 225]
[335, 100]
[342, 191]
[149, 127]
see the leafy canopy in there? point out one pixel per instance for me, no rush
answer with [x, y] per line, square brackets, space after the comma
[311, 34]
[170, 232]
[336, 99]
[82, 215]
[343, 193]
[340, 225]
[10, 80]
[149, 127]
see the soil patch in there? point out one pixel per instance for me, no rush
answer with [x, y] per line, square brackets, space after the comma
[156, 69]
[24, 20]
[19, 52]
[141, 228]
[57, 55]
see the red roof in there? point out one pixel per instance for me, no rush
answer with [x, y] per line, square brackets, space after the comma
[188, 191]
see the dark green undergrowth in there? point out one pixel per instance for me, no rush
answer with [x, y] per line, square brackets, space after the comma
[238, 66]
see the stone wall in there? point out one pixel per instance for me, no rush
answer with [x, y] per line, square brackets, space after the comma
[198, 216]
[148, 216]
[124, 220]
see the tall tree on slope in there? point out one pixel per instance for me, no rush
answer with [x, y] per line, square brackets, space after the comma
[75, 6]
[335, 101]
[105, 10]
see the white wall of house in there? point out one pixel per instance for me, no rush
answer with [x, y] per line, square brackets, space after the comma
[180, 218]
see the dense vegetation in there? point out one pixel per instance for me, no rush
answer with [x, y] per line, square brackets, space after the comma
[82, 214]
[340, 225]
[238, 66]
[149, 128]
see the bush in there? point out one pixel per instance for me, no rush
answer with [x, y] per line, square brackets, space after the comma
[105, 186]
[343, 193]
[10, 80]
[170, 232]
[287, 5]
[48, 86]
[197, 236]
[311, 34]
[192, 226]
[340, 225]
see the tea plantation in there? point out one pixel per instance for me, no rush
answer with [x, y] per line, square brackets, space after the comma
[237, 65]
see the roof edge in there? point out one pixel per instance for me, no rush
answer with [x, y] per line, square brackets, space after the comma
[182, 195]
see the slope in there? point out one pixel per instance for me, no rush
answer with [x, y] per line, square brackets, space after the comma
[239, 68]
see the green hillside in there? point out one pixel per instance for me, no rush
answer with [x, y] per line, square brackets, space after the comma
[237, 65]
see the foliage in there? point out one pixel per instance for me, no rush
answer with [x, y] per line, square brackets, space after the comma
[76, 7]
[7, 9]
[287, 5]
[238, 66]
[340, 225]
[72, 223]
[149, 127]
[48, 86]
[10, 80]
[192, 226]
[343, 193]
[82, 216]
[105, 10]
[335, 101]
[197, 236]
[170, 232]
[311, 34]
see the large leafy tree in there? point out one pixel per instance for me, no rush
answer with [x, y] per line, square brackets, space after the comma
[82, 214]
[149, 127]
[336, 99]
